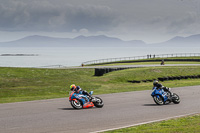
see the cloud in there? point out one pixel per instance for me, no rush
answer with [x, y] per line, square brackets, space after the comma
[47, 15]
[185, 24]
[84, 31]
[126, 19]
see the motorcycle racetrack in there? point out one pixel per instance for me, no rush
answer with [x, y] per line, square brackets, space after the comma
[120, 110]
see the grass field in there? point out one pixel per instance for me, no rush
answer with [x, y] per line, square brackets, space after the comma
[25, 84]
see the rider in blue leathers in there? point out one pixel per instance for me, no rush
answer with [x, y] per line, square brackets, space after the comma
[160, 86]
[78, 90]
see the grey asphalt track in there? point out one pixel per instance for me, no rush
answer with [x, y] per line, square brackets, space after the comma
[120, 109]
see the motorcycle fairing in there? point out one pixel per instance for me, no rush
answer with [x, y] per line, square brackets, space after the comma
[81, 97]
[88, 105]
[159, 92]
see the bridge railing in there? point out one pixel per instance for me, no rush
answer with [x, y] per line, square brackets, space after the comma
[50, 66]
[150, 56]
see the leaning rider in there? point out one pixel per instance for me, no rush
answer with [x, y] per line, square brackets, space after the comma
[160, 86]
[78, 90]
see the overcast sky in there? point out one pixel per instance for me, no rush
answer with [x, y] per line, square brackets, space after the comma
[147, 20]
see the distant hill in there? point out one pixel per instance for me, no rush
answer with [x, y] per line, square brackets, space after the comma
[99, 41]
[80, 41]
[190, 41]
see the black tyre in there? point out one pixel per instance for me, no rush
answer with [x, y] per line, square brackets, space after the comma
[158, 100]
[76, 104]
[175, 98]
[98, 103]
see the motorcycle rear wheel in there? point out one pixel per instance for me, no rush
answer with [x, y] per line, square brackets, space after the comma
[158, 100]
[175, 98]
[99, 102]
[76, 104]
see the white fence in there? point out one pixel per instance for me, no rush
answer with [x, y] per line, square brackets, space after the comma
[150, 56]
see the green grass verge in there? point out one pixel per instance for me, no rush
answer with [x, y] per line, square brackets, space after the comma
[26, 84]
[190, 124]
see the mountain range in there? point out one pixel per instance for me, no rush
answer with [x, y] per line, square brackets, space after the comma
[178, 41]
[98, 41]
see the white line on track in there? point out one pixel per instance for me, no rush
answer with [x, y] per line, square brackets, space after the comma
[179, 116]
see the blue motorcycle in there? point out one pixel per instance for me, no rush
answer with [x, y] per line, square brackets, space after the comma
[161, 97]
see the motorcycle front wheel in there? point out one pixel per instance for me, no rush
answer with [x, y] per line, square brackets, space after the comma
[76, 104]
[158, 100]
[98, 103]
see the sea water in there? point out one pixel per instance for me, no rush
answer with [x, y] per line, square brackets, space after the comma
[75, 56]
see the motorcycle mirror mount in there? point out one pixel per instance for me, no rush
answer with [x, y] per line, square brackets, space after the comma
[91, 92]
